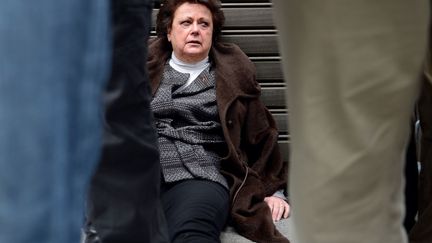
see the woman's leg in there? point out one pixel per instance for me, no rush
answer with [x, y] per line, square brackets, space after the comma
[196, 210]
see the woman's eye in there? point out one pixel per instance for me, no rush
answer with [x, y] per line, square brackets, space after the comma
[186, 23]
[204, 24]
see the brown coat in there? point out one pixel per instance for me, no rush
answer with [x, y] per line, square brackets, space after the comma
[253, 166]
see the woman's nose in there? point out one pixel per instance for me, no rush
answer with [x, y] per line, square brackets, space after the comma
[195, 27]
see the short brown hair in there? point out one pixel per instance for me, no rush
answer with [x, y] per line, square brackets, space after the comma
[168, 7]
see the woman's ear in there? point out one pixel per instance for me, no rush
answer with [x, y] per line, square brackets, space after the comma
[169, 35]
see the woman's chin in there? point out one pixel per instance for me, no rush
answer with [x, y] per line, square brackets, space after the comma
[194, 56]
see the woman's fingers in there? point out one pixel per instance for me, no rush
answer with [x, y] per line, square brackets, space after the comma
[287, 211]
[276, 212]
[280, 212]
[279, 208]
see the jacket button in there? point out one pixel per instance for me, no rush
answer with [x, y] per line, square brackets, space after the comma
[230, 122]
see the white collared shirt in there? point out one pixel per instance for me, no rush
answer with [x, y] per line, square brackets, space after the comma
[192, 69]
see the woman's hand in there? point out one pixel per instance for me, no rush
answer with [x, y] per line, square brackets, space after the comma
[279, 208]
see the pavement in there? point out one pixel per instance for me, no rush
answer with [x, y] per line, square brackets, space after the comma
[230, 236]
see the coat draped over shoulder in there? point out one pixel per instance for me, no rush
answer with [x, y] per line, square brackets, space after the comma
[253, 165]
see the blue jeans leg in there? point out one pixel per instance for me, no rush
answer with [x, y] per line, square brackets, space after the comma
[53, 64]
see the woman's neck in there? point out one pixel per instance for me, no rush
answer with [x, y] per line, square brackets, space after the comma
[188, 67]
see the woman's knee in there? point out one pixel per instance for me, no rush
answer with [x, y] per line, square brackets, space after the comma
[198, 212]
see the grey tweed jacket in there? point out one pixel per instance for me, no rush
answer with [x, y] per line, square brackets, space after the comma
[188, 126]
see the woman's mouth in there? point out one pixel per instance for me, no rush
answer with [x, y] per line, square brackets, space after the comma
[194, 42]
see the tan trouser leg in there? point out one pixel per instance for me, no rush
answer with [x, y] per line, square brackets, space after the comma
[352, 78]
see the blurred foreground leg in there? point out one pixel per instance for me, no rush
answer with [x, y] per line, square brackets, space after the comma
[352, 79]
[124, 204]
[53, 66]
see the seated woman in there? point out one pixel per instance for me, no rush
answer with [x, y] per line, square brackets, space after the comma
[218, 142]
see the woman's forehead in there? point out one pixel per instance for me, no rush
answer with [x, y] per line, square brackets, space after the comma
[192, 8]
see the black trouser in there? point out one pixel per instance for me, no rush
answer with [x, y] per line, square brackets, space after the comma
[411, 176]
[124, 204]
[196, 210]
[422, 230]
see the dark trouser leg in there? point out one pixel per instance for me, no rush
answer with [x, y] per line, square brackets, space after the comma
[411, 175]
[196, 210]
[422, 230]
[124, 204]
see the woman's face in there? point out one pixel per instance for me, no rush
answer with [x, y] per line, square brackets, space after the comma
[191, 32]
